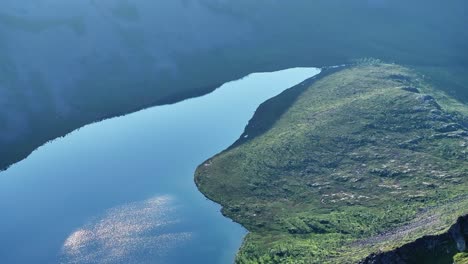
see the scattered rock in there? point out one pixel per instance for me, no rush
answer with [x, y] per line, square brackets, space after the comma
[432, 247]
[426, 98]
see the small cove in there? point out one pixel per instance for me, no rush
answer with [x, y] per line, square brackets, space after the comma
[122, 190]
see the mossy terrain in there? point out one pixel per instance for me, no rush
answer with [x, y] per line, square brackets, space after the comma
[365, 160]
[461, 258]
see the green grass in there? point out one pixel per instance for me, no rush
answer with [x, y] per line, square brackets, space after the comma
[461, 258]
[362, 161]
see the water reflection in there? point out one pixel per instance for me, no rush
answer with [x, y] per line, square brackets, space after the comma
[126, 233]
[122, 190]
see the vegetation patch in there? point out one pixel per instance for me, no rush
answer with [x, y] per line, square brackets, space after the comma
[461, 258]
[365, 160]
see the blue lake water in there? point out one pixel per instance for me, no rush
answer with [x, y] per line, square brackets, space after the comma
[122, 190]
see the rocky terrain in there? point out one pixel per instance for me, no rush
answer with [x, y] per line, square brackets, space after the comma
[367, 163]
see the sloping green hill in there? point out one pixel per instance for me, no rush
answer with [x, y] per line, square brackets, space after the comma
[365, 160]
[67, 64]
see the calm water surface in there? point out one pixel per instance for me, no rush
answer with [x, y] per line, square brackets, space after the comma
[122, 190]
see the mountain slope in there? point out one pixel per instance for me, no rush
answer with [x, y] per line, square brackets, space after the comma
[363, 161]
[66, 64]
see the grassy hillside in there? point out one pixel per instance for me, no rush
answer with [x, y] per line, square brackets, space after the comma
[461, 258]
[63, 65]
[364, 160]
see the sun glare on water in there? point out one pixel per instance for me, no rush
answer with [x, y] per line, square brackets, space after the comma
[125, 233]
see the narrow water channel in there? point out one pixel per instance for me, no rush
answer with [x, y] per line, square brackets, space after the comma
[122, 190]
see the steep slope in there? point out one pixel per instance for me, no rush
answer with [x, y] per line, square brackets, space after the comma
[64, 64]
[364, 161]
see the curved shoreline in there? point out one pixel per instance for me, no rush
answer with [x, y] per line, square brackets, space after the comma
[239, 177]
[104, 170]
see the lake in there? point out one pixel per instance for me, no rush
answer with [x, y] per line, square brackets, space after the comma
[122, 190]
